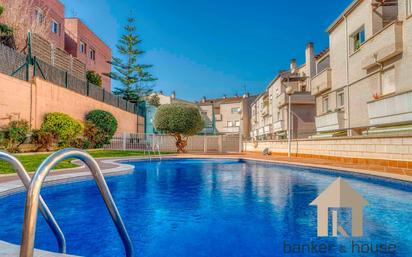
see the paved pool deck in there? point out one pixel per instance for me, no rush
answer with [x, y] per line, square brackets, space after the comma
[10, 183]
[10, 250]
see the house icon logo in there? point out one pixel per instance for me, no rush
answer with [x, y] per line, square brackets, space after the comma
[339, 195]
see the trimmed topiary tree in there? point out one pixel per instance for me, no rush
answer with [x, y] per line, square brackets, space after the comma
[180, 121]
[63, 127]
[100, 128]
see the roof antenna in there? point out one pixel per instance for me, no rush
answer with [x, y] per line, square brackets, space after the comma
[73, 13]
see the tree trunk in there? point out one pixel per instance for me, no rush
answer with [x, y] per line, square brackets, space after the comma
[181, 143]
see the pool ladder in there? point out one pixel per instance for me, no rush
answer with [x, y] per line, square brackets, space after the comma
[44, 209]
[33, 198]
[155, 149]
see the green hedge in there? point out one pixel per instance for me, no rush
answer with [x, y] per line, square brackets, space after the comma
[100, 128]
[63, 127]
[15, 134]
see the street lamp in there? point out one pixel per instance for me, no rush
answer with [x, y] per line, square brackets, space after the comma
[289, 92]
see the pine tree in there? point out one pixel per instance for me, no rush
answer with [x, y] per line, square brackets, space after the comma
[135, 77]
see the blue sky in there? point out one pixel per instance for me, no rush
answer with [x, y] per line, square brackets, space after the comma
[211, 47]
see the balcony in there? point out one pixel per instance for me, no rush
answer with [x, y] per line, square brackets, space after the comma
[265, 110]
[384, 45]
[231, 129]
[296, 98]
[322, 82]
[279, 126]
[392, 109]
[267, 129]
[330, 121]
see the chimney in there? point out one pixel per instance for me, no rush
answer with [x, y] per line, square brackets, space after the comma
[224, 96]
[293, 65]
[203, 99]
[310, 60]
[246, 95]
[173, 96]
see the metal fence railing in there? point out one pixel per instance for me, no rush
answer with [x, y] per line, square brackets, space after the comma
[20, 66]
[13, 63]
[230, 143]
[65, 79]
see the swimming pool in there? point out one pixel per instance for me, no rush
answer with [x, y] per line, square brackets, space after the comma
[203, 207]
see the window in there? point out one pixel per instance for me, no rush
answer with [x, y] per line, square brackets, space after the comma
[92, 54]
[358, 38]
[303, 88]
[325, 104]
[55, 27]
[340, 101]
[237, 123]
[235, 110]
[82, 47]
[388, 81]
[409, 6]
[39, 13]
[230, 124]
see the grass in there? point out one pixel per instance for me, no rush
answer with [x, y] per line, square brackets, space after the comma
[32, 161]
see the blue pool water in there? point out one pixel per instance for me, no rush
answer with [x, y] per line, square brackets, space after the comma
[214, 208]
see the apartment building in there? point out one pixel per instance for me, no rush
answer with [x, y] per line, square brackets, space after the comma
[269, 119]
[54, 11]
[70, 35]
[226, 115]
[82, 43]
[364, 83]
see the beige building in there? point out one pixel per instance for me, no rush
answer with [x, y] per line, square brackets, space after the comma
[226, 115]
[364, 83]
[269, 116]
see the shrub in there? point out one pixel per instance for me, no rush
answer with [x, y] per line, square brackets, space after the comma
[63, 127]
[100, 128]
[94, 78]
[15, 134]
[180, 121]
[80, 143]
[42, 140]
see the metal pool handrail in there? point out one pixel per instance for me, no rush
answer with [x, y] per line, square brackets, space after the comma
[44, 209]
[33, 192]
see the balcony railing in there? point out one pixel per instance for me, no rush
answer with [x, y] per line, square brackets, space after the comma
[322, 82]
[267, 129]
[330, 121]
[392, 109]
[279, 126]
[384, 45]
[231, 129]
[296, 98]
[265, 110]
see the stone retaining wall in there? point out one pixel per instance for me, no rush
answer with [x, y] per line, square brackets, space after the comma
[376, 148]
[32, 100]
